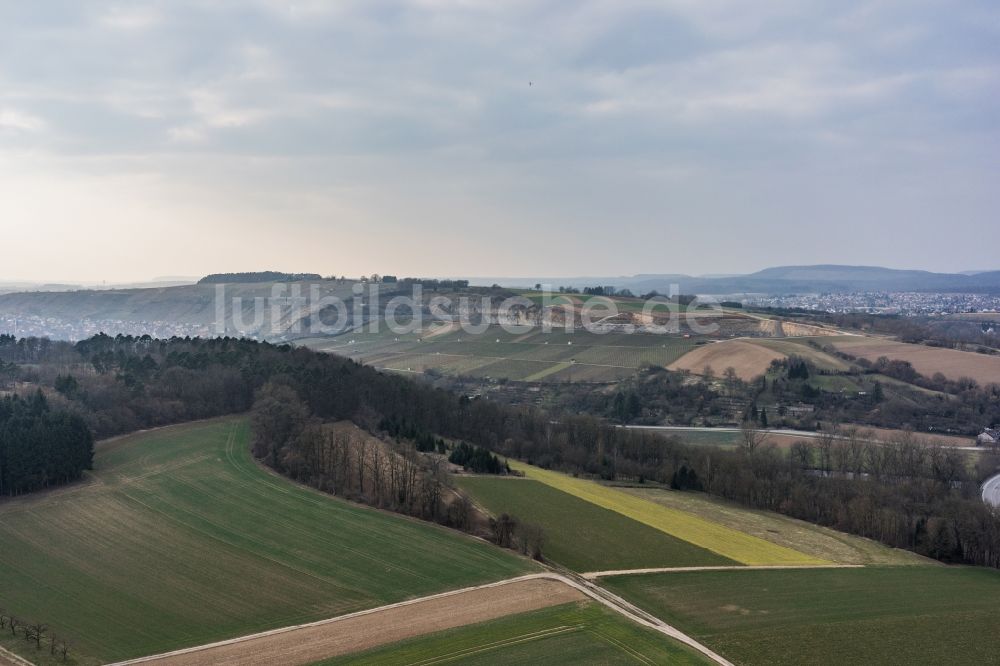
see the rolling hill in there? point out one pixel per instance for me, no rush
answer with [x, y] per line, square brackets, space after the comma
[179, 538]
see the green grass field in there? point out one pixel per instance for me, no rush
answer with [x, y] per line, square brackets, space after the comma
[179, 538]
[578, 633]
[583, 536]
[725, 541]
[876, 615]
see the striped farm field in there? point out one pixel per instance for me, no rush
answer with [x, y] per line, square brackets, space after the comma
[873, 615]
[799, 535]
[179, 538]
[580, 535]
[533, 355]
[725, 541]
[576, 633]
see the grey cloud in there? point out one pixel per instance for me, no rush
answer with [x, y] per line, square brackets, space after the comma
[639, 112]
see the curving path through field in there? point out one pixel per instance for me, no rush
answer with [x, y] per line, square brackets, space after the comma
[8, 658]
[991, 491]
[355, 632]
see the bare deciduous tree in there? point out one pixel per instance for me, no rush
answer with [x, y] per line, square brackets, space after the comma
[35, 632]
[801, 455]
[751, 437]
[828, 436]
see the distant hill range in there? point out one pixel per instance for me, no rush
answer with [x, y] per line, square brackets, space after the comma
[196, 309]
[782, 280]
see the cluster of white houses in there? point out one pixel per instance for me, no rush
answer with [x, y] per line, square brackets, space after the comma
[989, 437]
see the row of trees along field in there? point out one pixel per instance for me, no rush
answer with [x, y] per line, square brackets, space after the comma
[910, 496]
[35, 632]
[343, 460]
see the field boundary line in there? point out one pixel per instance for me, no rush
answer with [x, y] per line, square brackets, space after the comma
[514, 640]
[598, 594]
[592, 575]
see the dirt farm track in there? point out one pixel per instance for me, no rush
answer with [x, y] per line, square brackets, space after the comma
[369, 629]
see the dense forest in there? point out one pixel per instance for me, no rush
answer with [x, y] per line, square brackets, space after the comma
[39, 446]
[258, 276]
[906, 494]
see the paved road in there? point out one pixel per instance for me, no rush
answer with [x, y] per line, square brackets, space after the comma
[991, 491]
[804, 434]
[809, 434]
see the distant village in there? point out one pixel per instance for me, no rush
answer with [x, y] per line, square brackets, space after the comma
[55, 328]
[906, 303]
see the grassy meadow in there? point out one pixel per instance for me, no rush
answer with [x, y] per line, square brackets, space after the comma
[578, 633]
[179, 538]
[580, 535]
[873, 615]
[725, 541]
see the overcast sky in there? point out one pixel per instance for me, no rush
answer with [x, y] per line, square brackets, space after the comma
[496, 138]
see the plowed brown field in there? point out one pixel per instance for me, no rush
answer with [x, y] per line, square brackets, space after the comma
[749, 360]
[951, 363]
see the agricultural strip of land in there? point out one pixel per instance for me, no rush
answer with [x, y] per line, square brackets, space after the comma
[577, 633]
[534, 355]
[871, 615]
[819, 542]
[364, 631]
[951, 363]
[179, 538]
[727, 542]
[580, 535]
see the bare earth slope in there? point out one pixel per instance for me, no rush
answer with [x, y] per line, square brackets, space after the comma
[749, 360]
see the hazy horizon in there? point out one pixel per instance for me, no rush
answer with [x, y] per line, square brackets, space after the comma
[448, 138]
[485, 277]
